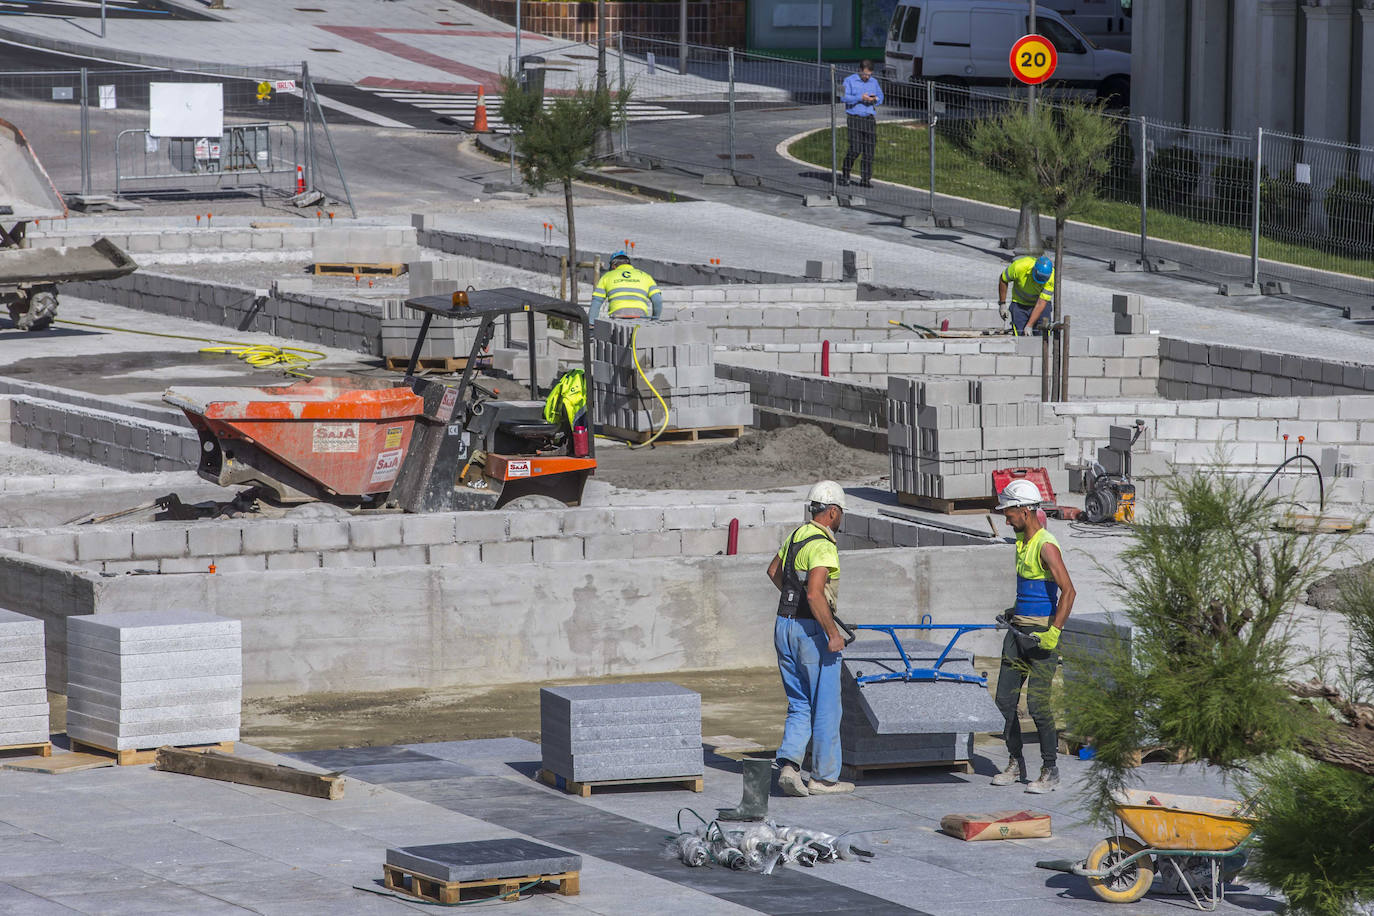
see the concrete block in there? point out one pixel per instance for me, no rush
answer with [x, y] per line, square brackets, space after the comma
[101, 544]
[558, 550]
[438, 528]
[270, 536]
[319, 535]
[535, 523]
[507, 553]
[215, 539]
[375, 532]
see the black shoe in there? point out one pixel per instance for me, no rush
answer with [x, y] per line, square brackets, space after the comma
[865, 183]
[844, 181]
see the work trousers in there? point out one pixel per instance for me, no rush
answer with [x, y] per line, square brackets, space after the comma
[811, 678]
[1019, 666]
[1020, 314]
[863, 139]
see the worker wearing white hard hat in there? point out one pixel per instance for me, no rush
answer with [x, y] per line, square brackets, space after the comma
[1044, 599]
[808, 639]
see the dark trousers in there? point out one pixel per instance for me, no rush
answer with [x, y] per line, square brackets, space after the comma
[1019, 666]
[863, 139]
[1020, 314]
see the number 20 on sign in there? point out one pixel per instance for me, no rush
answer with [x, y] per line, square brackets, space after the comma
[1033, 59]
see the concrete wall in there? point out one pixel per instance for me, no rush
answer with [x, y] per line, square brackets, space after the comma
[145, 237]
[349, 628]
[345, 324]
[740, 315]
[115, 440]
[1099, 367]
[1190, 371]
[855, 413]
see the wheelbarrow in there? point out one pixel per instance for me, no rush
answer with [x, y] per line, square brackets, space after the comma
[1201, 839]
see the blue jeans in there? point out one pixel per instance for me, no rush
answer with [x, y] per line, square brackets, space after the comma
[811, 678]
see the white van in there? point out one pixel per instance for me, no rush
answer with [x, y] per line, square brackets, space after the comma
[969, 43]
[1106, 22]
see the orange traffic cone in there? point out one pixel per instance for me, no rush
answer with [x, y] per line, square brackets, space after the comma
[479, 117]
[300, 179]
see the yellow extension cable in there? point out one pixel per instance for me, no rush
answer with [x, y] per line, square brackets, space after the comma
[634, 353]
[259, 356]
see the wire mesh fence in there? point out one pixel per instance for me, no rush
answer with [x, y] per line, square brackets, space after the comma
[1244, 207]
[95, 131]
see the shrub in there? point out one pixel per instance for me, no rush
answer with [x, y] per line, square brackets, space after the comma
[1233, 190]
[1285, 207]
[1172, 179]
[1349, 205]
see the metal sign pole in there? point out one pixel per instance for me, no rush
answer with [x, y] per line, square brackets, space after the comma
[682, 37]
[834, 139]
[102, 18]
[1255, 190]
[1030, 92]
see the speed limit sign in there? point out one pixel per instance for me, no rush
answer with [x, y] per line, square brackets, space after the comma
[1033, 59]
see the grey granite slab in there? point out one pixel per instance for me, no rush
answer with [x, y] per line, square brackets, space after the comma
[504, 749]
[484, 859]
[18, 637]
[143, 714]
[19, 654]
[108, 739]
[156, 646]
[83, 662]
[954, 751]
[643, 765]
[163, 726]
[14, 623]
[32, 681]
[12, 713]
[157, 690]
[152, 700]
[627, 745]
[134, 626]
[36, 734]
[902, 707]
[25, 697]
[642, 695]
[579, 718]
[561, 731]
[37, 668]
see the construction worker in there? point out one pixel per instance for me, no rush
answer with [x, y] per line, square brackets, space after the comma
[626, 291]
[861, 96]
[808, 641]
[1032, 290]
[1044, 599]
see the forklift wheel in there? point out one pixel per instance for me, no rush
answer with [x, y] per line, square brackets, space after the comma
[1099, 506]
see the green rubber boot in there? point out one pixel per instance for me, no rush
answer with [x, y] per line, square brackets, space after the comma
[758, 779]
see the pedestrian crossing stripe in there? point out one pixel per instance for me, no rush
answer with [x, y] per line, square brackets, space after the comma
[462, 106]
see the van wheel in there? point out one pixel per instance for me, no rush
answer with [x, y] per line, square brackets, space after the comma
[1115, 91]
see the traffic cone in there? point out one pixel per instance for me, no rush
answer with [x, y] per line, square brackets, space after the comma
[300, 179]
[479, 117]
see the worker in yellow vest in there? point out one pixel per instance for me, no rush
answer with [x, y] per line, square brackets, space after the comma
[626, 292]
[1044, 600]
[1031, 282]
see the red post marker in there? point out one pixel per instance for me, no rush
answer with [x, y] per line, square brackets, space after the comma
[632, 246]
[944, 325]
[825, 358]
[212, 569]
[197, 220]
[732, 539]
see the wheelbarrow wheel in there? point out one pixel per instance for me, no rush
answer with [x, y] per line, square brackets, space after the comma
[1132, 883]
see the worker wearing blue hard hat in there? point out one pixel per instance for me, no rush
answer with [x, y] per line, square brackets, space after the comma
[626, 292]
[1031, 280]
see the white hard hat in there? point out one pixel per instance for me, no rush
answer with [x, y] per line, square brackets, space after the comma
[827, 493]
[1020, 493]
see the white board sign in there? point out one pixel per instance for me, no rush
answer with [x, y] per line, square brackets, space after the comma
[186, 109]
[107, 96]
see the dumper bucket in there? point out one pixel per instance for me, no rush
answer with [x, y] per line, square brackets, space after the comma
[26, 191]
[324, 438]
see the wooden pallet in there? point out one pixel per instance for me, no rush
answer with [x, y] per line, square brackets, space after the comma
[140, 756]
[1156, 753]
[41, 748]
[976, 505]
[439, 363]
[422, 887]
[584, 789]
[691, 434]
[1314, 524]
[852, 772]
[359, 270]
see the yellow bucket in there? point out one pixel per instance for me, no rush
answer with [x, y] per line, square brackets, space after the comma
[1191, 822]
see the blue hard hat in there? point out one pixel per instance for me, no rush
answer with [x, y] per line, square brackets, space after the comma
[618, 255]
[1043, 269]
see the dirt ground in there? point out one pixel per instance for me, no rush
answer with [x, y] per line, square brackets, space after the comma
[757, 460]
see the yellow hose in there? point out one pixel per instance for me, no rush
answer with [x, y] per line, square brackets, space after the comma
[634, 353]
[259, 356]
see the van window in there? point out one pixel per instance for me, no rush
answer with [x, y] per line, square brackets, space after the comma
[1064, 41]
[913, 24]
[896, 30]
[950, 29]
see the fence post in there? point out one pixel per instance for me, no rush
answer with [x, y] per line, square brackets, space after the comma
[731, 68]
[930, 136]
[308, 123]
[1144, 191]
[682, 37]
[624, 119]
[86, 135]
[834, 140]
[1255, 190]
[510, 131]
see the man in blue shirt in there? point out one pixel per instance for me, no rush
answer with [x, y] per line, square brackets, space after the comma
[862, 96]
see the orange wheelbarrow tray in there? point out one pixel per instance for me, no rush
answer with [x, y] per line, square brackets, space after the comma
[1210, 831]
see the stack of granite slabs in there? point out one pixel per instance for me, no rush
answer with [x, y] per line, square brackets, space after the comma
[23, 681]
[151, 678]
[611, 732]
[910, 722]
[483, 860]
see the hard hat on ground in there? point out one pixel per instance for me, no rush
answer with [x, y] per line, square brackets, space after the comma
[826, 493]
[619, 256]
[1019, 493]
[1043, 268]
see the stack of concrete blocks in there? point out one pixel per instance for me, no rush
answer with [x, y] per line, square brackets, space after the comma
[679, 360]
[1128, 312]
[145, 679]
[1090, 642]
[824, 270]
[367, 246]
[947, 436]
[918, 722]
[446, 339]
[858, 266]
[23, 681]
[610, 732]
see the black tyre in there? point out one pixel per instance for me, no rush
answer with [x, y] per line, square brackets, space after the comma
[1115, 91]
[1099, 506]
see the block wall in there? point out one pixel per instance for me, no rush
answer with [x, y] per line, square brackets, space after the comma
[854, 413]
[1194, 371]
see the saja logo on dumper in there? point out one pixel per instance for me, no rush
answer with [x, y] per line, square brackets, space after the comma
[334, 437]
